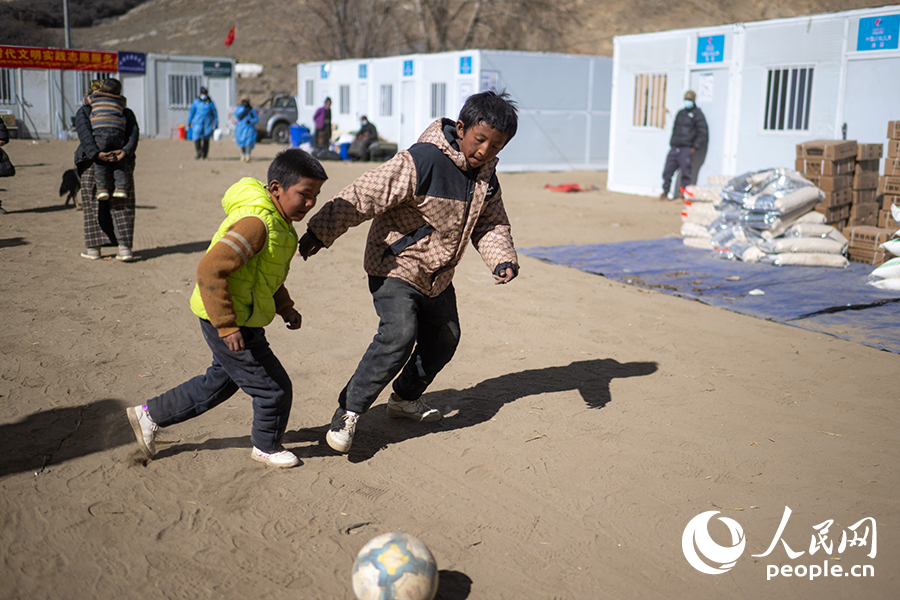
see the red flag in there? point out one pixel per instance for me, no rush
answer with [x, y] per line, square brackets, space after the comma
[229, 39]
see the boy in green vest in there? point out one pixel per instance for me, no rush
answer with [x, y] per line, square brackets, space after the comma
[240, 289]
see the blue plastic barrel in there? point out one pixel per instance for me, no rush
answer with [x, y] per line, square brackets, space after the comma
[300, 135]
[345, 151]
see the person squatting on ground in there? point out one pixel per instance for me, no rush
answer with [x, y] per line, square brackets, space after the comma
[108, 128]
[240, 289]
[110, 222]
[426, 203]
[203, 119]
[689, 135]
[245, 129]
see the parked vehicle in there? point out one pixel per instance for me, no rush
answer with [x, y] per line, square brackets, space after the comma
[276, 115]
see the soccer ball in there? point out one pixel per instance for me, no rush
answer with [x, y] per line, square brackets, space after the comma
[395, 566]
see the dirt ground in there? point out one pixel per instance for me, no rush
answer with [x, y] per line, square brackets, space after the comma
[586, 421]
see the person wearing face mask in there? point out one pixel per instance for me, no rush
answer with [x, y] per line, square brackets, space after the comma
[203, 119]
[689, 137]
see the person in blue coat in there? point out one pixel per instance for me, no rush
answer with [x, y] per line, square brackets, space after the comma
[245, 130]
[202, 120]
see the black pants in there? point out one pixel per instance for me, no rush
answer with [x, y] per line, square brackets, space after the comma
[106, 173]
[255, 370]
[201, 146]
[416, 333]
[678, 159]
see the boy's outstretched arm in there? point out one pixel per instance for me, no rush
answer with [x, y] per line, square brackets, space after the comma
[492, 238]
[371, 194]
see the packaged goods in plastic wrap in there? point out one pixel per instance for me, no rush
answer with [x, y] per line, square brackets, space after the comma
[815, 230]
[780, 191]
[701, 213]
[803, 244]
[704, 194]
[806, 259]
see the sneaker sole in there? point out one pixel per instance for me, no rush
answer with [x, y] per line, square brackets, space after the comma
[138, 432]
[396, 413]
[269, 463]
[86, 255]
[124, 258]
[337, 446]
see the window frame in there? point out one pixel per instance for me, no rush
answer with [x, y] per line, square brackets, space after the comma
[187, 91]
[644, 113]
[787, 109]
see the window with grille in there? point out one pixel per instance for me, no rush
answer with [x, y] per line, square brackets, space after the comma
[387, 101]
[6, 87]
[788, 98]
[438, 99]
[309, 99]
[650, 100]
[344, 106]
[183, 89]
[84, 79]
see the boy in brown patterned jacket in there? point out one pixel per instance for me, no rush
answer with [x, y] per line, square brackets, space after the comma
[426, 203]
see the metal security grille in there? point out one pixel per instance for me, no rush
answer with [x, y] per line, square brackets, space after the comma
[387, 101]
[788, 98]
[6, 87]
[345, 100]
[182, 90]
[438, 99]
[650, 100]
[86, 77]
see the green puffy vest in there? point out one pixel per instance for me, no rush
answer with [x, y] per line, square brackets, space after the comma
[253, 286]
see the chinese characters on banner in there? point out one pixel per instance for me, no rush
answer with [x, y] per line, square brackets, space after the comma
[19, 57]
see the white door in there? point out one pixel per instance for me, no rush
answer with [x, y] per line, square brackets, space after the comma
[711, 87]
[871, 99]
[36, 117]
[219, 88]
[133, 90]
[408, 129]
[362, 101]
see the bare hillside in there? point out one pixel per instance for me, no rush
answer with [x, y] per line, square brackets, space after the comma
[273, 33]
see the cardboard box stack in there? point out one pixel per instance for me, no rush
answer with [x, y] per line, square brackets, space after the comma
[871, 220]
[831, 165]
[889, 183]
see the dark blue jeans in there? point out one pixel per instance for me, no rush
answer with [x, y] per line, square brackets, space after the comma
[106, 173]
[678, 159]
[255, 370]
[416, 333]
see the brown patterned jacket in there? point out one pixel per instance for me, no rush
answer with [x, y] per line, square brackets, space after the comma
[425, 205]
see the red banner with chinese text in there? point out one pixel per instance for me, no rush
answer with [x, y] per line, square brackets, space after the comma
[20, 57]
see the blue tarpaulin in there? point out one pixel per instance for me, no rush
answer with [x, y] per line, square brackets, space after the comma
[828, 300]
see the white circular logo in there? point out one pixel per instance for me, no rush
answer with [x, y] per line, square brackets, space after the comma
[696, 538]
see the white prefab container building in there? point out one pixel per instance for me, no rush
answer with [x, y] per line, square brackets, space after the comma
[764, 87]
[159, 89]
[563, 100]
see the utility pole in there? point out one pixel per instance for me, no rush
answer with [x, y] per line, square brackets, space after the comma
[66, 23]
[62, 74]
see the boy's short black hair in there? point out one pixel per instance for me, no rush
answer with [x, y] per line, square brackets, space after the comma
[111, 86]
[293, 164]
[492, 108]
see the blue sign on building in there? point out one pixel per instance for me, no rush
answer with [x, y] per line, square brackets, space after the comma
[323, 72]
[407, 68]
[711, 49]
[132, 62]
[465, 65]
[363, 71]
[878, 33]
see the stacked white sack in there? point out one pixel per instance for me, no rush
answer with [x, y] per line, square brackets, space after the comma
[807, 244]
[695, 193]
[695, 220]
[887, 276]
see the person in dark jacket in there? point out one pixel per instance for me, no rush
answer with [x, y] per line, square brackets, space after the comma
[322, 119]
[365, 137]
[690, 135]
[108, 223]
[4, 139]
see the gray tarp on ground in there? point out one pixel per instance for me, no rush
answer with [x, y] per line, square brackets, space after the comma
[828, 300]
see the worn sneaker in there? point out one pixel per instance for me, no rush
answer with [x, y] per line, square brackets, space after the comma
[343, 426]
[125, 254]
[91, 253]
[144, 429]
[280, 458]
[416, 410]
[120, 194]
[103, 195]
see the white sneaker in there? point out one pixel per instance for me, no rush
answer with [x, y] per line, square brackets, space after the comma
[144, 429]
[411, 409]
[103, 195]
[343, 426]
[119, 193]
[281, 458]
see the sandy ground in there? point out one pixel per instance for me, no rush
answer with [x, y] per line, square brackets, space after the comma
[586, 421]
